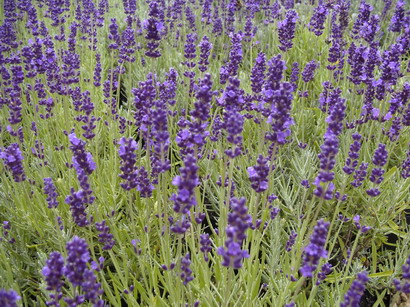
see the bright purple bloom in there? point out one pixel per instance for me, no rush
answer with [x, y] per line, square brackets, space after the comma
[356, 60]
[186, 272]
[325, 270]
[186, 183]
[380, 156]
[353, 296]
[12, 159]
[205, 242]
[9, 298]
[258, 175]
[238, 222]
[206, 13]
[294, 76]
[50, 191]
[360, 175]
[291, 241]
[390, 66]
[53, 274]
[351, 162]
[370, 29]
[77, 202]
[160, 137]
[77, 272]
[82, 160]
[404, 285]
[205, 48]
[337, 108]
[233, 123]
[78, 257]
[185, 198]
[398, 19]
[104, 236]
[315, 250]
[97, 70]
[286, 30]
[235, 58]
[154, 27]
[128, 161]
[317, 22]
[258, 73]
[363, 16]
[309, 71]
[405, 173]
[144, 186]
[356, 221]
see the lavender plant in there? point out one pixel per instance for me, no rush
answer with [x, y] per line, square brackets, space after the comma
[214, 153]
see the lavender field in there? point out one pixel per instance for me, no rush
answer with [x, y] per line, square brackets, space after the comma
[205, 153]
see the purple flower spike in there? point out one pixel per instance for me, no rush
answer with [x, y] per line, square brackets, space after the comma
[353, 295]
[77, 258]
[380, 156]
[186, 183]
[9, 298]
[186, 272]
[238, 222]
[291, 241]
[50, 191]
[145, 187]
[258, 175]
[82, 160]
[398, 19]
[286, 30]
[205, 49]
[316, 24]
[351, 161]
[309, 71]
[128, 161]
[205, 245]
[105, 237]
[53, 274]
[77, 201]
[12, 158]
[258, 73]
[77, 272]
[404, 285]
[315, 250]
[154, 27]
[405, 173]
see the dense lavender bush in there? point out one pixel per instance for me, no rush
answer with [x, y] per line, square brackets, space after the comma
[204, 152]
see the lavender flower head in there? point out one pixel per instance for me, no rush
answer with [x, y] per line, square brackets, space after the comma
[315, 250]
[205, 242]
[316, 24]
[352, 297]
[53, 274]
[398, 18]
[8, 298]
[78, 257]
[380, 156]
[309, 71]
[258, 175]
[128, 161]
[258, 73]
[186, 272]
[404, 285]
[186, 183]
[238, 222]
[82, 160]
[12, 158]
[50, 191]
[286, 30]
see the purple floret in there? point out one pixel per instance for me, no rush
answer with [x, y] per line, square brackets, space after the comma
[315, 250]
